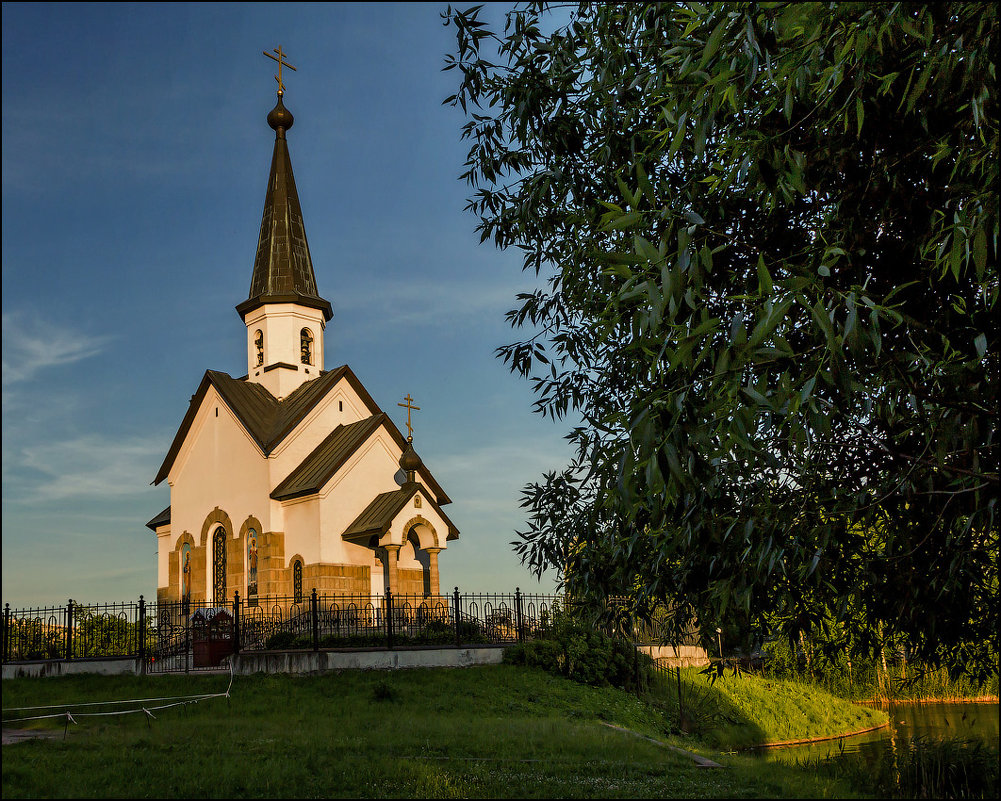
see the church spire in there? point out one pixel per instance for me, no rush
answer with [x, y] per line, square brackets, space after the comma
[283, 269]
[284, 314]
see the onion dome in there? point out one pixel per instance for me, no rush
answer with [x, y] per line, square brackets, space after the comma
[410, 462]
[280, 118]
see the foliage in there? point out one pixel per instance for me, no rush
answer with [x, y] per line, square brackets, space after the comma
[768, 236]
[281, 640]
[435, 632]
[98, 632]
[867, 679]
[581, 653]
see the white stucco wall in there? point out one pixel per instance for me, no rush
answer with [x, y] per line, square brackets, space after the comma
[164, 544]
[366, 474]
[281, 324]
[398, 529]
[341, 406]
[218, 465]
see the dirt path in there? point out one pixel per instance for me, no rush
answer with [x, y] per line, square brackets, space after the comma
[11, 736]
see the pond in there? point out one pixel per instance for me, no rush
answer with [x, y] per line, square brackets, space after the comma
[965, 721]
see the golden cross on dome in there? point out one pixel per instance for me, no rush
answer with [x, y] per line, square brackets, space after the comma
[409, 405]
[281, 63]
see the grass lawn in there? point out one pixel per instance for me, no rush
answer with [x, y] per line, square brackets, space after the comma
[745, 710]
[502, 732]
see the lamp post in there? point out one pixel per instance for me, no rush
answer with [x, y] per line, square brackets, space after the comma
[719, 639]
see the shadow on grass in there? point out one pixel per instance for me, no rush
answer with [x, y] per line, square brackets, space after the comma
[693, 705]
[740, 710]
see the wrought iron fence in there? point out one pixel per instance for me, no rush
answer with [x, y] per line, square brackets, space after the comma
[74, 631]
[184, 636]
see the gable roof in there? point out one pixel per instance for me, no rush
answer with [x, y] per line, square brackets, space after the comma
[161, 519]
[326, 459]
[267, 419]
[378, 515]
[330, 455]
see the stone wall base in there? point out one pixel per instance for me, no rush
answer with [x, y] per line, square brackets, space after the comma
[322, 661]
[677, 655]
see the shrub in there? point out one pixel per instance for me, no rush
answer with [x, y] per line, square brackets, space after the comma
[280, 640]
[585, 655]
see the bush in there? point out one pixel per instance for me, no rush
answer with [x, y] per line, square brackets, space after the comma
[280, 640]
[585, 655]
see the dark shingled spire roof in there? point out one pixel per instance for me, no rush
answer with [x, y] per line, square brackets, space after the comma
[283, 269]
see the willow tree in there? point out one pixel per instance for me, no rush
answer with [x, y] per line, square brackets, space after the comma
[766, 240]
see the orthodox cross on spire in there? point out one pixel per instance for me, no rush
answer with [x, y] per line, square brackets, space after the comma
[281, 63]
[409, 405]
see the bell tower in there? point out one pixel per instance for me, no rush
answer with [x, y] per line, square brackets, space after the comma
[284, 314]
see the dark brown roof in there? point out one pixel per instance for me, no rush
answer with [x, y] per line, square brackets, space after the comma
[283, 268]
[267, 419]
[160, 520]
[327, 458]
[379, 514]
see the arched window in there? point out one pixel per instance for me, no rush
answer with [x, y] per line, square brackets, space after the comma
[297, 581]
[219, 566]
[306, 346]
[252, 567]
[186, 575]
[259, 344]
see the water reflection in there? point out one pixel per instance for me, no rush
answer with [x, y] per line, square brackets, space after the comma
[907, 721]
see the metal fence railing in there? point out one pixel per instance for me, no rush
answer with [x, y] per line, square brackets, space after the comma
[177, 635]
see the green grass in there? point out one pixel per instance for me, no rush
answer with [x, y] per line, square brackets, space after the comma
[498, 731]
[738, 711]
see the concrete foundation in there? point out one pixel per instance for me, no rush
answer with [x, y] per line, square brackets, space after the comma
[322, 661]
[108, 666]
[677, 655]
[280, 662]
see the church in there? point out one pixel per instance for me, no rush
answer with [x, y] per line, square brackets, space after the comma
[292, 477]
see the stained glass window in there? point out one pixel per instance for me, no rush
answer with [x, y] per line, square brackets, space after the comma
[297, 581]
[219, 566]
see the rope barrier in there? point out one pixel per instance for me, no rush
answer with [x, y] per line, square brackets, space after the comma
[181, 700]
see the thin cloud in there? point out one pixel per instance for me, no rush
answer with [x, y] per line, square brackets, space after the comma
[91, 467]
[32, 345]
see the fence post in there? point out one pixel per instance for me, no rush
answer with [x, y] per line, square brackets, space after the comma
[681, 710]
[141, 633]
[236, 621]
[69, 629]
[457, 617]
[517, 609]
[6, 633]
[314, 614]
[187, 640]
[389, 619]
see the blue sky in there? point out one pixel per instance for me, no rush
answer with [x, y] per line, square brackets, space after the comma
[135, 159]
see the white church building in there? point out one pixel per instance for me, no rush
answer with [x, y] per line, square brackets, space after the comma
[291, 477]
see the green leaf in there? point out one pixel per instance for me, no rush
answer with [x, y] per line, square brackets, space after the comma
[824, 321]
[980, 343]
[979, 251]
[764, 279]
[627, 220]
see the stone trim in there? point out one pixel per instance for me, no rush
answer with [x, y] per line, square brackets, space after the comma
[418, 520]
[216, 517]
